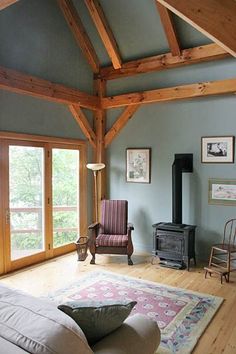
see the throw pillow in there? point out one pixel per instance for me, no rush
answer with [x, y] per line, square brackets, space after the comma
[98, 318]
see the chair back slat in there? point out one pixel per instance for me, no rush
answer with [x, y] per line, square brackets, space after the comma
[230, 232]
[114, 217]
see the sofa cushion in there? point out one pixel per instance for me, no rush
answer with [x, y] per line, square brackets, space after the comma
[7, 347]
[98, 318]
[38, 326]
[137, 335]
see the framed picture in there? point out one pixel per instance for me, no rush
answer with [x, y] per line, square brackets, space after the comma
[138, 165]
[222, 191]
[218, 149]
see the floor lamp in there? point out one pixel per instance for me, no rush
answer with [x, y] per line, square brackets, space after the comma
[95, 167]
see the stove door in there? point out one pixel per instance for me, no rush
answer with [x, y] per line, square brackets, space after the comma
[170, 245]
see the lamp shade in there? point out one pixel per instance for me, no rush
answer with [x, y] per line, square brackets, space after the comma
[95, 166]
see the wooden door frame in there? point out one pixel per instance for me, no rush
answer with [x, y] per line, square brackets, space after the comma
[82, 197]
[6, 139]
[11, 265]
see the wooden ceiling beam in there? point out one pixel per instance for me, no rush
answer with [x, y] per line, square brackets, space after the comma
[104, 31]
[204, 89]
[74, 22]
[165, 61]
[6, 3]
[120, 123]
[84, 124]
[169, 28]
[214, 18]
[15, 81]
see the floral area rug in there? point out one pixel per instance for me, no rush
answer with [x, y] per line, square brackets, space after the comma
[182, 315]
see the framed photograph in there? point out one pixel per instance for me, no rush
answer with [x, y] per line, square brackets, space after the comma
[138, 165]
[222, 191]
[217, 149]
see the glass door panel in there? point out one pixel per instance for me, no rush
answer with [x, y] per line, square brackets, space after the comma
[65, 196]
[26, 200]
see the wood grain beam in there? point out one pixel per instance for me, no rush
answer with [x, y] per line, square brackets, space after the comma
[169, 28]
[6, 3]
[81, 119]
[18, 82]
[100, 152]
[74, 22]
[214, 18]
[100, 120]
[120, 123]
[203, 89]
[165, 61]
[105, 32]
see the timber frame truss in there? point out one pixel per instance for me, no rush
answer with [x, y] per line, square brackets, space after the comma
[215, 19]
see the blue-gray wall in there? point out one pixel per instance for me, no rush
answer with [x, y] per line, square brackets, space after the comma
[35, 39]
[169, 128]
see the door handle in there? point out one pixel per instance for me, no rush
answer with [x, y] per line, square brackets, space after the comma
[7, 217]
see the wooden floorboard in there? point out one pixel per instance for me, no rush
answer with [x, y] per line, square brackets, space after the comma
[219, 337]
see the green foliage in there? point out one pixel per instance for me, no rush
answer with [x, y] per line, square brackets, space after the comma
[26, 182]
[26, 191]
[62, 238]
[65, 181]
[64, 219]
[26, 241]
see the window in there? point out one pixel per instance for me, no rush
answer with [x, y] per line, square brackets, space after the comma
[43, 191]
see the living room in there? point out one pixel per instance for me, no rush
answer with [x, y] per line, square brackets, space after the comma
[164, 84]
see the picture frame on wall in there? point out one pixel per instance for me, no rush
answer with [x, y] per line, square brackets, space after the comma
[217, 149]
[222, 191]
[138, 165]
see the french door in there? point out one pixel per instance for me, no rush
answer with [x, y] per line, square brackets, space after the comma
[65, 198]
[41, 197]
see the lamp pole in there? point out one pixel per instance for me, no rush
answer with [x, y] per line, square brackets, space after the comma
[95, 167]
[96, 194]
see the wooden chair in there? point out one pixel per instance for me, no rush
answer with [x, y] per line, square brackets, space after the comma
[222, 254]
[113, 234]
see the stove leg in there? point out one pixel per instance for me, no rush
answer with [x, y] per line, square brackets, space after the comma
[188, 263]
[186, 260]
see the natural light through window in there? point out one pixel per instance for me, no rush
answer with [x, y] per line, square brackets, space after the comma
[65, 188]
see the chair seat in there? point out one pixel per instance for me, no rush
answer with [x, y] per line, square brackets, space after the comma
[105, 240]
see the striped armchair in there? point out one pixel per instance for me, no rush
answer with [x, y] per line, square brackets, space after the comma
[113, 234]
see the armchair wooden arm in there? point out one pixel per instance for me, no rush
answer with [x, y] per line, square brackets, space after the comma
[94, 225]
[130, 226]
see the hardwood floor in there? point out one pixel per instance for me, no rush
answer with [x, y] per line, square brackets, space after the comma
[219, 337]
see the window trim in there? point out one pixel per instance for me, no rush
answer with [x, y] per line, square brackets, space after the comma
[48, 143]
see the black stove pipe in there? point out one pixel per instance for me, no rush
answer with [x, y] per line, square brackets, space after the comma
[177, 192]
[182, 163]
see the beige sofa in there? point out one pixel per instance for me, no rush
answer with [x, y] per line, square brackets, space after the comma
[31, 325]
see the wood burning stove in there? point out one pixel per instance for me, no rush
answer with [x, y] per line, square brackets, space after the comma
[174, 243]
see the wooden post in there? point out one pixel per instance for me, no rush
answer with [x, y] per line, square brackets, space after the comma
[99, 128]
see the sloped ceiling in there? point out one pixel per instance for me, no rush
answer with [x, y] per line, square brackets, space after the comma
[135, 24]
[216, 19]
[36, 39]
[138, 30]
[40, 42]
